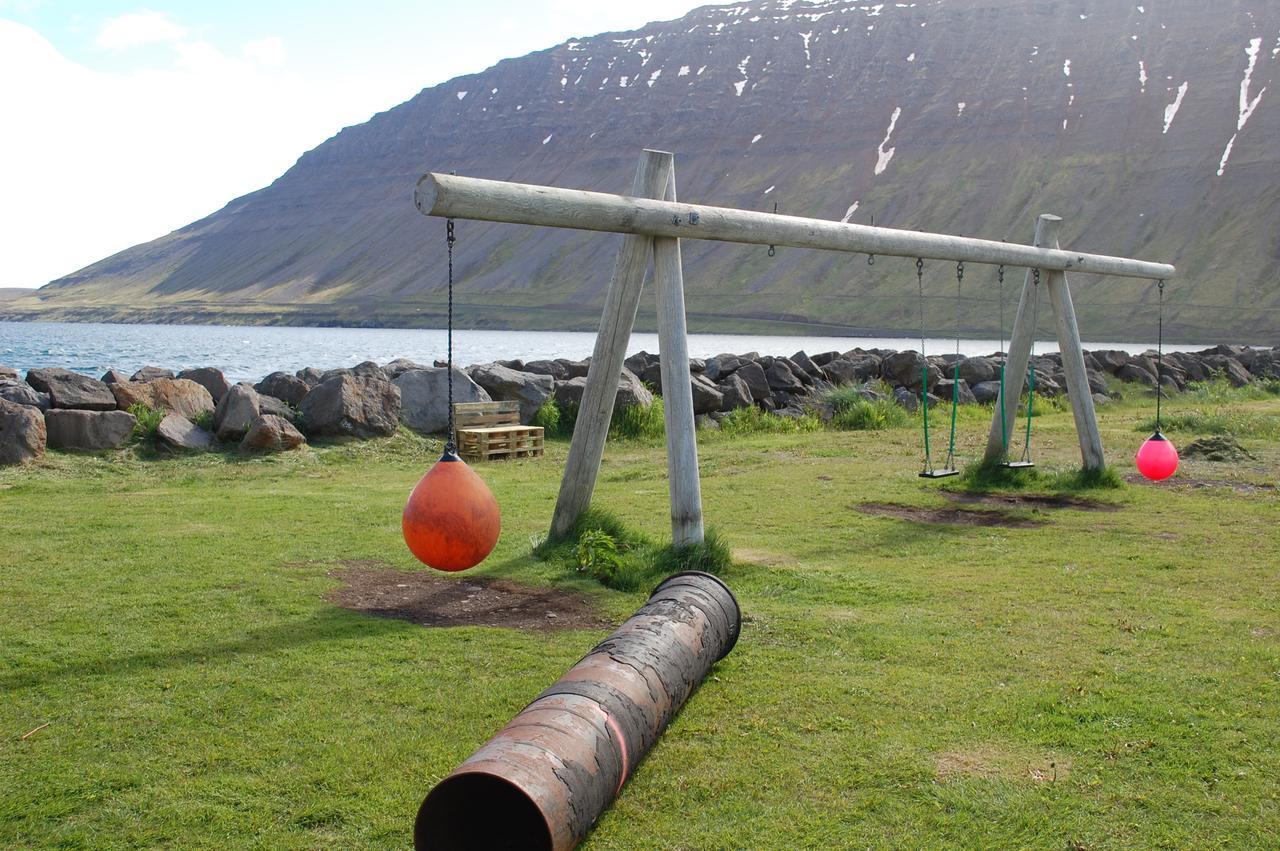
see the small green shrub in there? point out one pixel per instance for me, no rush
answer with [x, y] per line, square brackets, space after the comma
[149, 421]
[639, 422]
[711, 555]
[851, 412]
[597, 554]
[548, 416]
[982, 477]
[204, 420]
[753, 420]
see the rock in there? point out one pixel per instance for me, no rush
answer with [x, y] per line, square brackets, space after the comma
[1111, 359]
[1134, 372]
[735, 393]
[575, 368]
[178, 432]
[705, 421]
[210, 379]
[270, 433]
[640, 361]
[1100, 399]
[424, 397]
[805, 363]
[553, 368]
[68, 389]
[515, 364]
[88, 430]
[176, 395]
[366, 369]
[1097, 382]
[151, 373]
[277, 407]
[114, 376]
[652, 376]
[782, 380]
[944, 390]
[852, 368]
[986, 392]
[722, 366]
[753, 374]
[22, 434]
[1228, 366]
[906, 368]
[285, 387]
[630, 391]
[824, 358]
[1266, 364]
[906, 399]
[237, 410]
[397, 368]
[21, 393]
[508, 385]
[352, 406]
[1190, 364]
[706, 396]
[977, 370]
[697, 365]
[310, 375]
[8, 372]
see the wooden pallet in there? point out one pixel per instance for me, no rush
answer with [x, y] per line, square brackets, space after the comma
[487, 430]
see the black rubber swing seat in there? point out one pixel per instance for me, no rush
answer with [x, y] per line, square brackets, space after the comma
[1017, 465]
[938, 474]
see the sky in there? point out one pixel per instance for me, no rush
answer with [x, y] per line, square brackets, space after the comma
[123, 121]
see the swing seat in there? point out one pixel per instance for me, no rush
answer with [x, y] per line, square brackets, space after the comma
[938, 474]
[1016, 465]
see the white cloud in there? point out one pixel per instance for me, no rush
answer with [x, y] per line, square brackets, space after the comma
[139, 28]
[266, 51]
[93, 162]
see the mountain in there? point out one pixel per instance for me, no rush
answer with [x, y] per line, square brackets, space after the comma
[1152, 129]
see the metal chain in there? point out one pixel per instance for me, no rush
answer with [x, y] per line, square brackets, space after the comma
[1159, 351]
[772, 249]
[1004, 360]
[924, 370]
[450, 239]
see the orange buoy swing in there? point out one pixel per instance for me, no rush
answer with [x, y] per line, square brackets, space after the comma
[451, 521]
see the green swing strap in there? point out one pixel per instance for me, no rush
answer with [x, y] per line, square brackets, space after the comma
[1031, 369]
[955, 374]
[928, 472]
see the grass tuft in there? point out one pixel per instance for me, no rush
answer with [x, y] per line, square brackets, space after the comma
[149, 421]
[639, 422]
[984, 477]
[852, 412]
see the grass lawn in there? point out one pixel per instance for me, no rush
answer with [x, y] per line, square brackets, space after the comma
[1093, 676]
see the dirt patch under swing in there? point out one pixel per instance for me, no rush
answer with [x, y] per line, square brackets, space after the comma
[947, 516]
[432, 599]
[1034, 501]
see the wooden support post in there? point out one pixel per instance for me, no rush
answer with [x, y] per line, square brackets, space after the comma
[677, 391]
[619, 315]
[1073, 367]
[1015, 364]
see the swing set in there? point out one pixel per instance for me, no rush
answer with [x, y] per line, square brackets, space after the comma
[653, 222]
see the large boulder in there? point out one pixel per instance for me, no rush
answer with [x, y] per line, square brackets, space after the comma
[424, 397]
[630, 391]
[553, 368]
[21, 393]
[8, 372]
[69, 389]
[399, 367]
[272, 405]
[986, 392]
[237, 410]
[176, 395]
[906, 399]
[210, 379]
[22, 434]
[178, 432]
[285, 387]
[722, 366]
[852, 367]
[1136, 372]
[352, 405]
[735, 393]
[151, 373]
[270, 433]
[114, 376]
[575, 368]
[707, 398]
[1111, 360]
[640, 361]
[907, 369]
[310, 375]
[806, 363]
[1231, 368]
[504, 384]
[946, 388]
[753, 374]
[92, 431]
[782, 379]
[977, 370]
